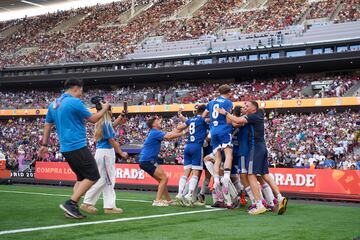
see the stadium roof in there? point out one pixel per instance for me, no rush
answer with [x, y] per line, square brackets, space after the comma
[12, 9]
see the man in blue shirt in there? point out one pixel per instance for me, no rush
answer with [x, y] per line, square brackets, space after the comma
[257, 163]
[193, 154]
[220, 129]
[68, 113]
[149, 155]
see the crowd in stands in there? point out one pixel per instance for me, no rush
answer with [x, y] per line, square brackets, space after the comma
[100, 35]
[322, 9]
[255, 89]
[349, 12]
[321, 140]
[317, 140]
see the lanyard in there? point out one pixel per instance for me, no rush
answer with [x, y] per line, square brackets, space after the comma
[57, 101]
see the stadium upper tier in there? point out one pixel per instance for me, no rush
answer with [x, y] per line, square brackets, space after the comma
[295, 87]
[168, 27]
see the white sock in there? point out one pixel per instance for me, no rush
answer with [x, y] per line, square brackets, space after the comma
[269, 196]
[261, 195]
[259, 204]
[250, 194]
[182, 183]
[238, 185]
[210, 167]
[227, 175]
[193, 183]
[279, 196]
[204, 186]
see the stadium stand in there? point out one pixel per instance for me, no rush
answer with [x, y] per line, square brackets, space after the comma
[315, 140]
[106, 32]
[332, 85]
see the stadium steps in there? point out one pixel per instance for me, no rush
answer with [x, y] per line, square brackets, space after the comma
[353, 90]
[67, 24]
[127, 16]
[337, 10]
[190, 9]
[302, 19]
[6, 33]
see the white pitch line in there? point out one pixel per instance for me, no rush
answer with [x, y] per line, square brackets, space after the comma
[63, 195]
[105, 221]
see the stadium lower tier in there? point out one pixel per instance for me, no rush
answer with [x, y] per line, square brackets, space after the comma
[317, 140]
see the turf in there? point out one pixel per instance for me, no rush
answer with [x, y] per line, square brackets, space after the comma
[301, 221]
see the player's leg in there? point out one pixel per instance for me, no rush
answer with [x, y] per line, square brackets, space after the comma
[267, 194]
[280, 200]
[197, 166]
[109, 189]
[254, 167]
[161, 177]
[204, 187]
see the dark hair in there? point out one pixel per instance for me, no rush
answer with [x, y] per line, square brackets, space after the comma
[200, 109]
[254, 103]
[150, 122]
[224, 89]
[237, 111]
[72, 82]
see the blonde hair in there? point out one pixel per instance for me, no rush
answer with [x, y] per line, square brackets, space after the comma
[99, 126]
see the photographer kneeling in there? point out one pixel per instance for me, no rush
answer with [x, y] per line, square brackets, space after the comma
[68, 113]
[106, 147]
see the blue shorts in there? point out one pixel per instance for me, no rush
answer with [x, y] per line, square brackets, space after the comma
[193, 156]
[258, 160]
[243, 163]
[149, 167]
[220, 140]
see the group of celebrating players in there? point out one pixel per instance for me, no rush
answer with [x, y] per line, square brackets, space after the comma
[233, 151]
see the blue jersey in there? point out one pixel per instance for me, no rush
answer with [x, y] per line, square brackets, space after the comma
[256, 128]
[152, 145]
[244, 140]
[236, 141]
[69, 114]
[108, 133]
[197, 129]
[218, 121]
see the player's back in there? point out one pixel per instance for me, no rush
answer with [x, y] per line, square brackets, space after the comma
[218, 121]
[197, 129]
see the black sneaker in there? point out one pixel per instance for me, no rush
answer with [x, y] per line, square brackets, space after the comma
[218, 205]
[201, 198]
[72, 210]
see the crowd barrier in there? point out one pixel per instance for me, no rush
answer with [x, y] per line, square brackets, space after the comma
[271, 104]
[342, 183]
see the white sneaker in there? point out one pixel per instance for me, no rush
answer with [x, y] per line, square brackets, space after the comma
[160, 203]
[180, 201]
[257, 210]
[171, 202]
[189, 200]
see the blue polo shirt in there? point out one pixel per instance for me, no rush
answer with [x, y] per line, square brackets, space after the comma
[108, 133]
[152, 145]
[68, 114]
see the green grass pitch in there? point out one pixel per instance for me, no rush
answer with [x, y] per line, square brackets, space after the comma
[37, 206]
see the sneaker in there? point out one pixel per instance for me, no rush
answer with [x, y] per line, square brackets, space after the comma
[88, 208]
[231, 206]
[218, 205]
[113, 211]
[257, 210]
[271, 208]
[188, 200]
[159, 204]
[180, 201]
[201, 198]
[199, 204]
[252, 206]
[281, 207]
[71, 210]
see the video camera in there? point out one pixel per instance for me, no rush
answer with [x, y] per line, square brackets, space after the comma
[97, 102]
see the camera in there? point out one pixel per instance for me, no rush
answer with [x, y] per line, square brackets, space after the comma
[97, 102]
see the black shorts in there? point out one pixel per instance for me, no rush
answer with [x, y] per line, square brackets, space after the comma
[149, 167]
[83, 164]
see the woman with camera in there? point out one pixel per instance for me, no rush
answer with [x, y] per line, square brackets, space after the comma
[106, 147]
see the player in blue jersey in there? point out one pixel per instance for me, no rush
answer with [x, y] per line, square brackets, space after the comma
[193, 154]
[149, 155]
[257, 163]
[220, 129]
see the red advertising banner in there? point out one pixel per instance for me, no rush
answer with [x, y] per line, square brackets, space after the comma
[343, 182]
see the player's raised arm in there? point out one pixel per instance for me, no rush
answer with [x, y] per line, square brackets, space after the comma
[174, 134]
[234, 119]
[181, 116]
[118, 120]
